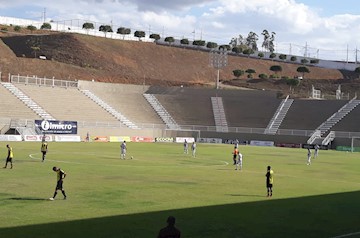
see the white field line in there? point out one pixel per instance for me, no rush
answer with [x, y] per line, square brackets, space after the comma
[347, 235]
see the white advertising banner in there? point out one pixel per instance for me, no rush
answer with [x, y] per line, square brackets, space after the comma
[37, 138]
[67, 139]
[10, 138]
[261, 143]
[182, 139]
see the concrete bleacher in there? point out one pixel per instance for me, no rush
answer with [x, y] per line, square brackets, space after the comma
[309, 114]
[66, 103]
[127, 99]
[12, 107]
[350, 122]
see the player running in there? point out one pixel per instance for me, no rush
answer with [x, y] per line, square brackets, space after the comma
[309, 157]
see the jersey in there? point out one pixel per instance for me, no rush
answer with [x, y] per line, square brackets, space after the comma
[10, 152]
[60, 174]
[44, 147]
[270, 177]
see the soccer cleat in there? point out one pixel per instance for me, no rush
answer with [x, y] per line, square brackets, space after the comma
[51, 199]
[65, 198]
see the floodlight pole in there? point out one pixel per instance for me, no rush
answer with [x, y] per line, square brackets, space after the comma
[218, 60]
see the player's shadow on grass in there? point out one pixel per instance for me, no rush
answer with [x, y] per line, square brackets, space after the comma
[28, 199]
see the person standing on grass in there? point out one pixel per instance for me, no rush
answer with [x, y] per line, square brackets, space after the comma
[44, 148]
[186, 147]
[9, 157]
[316, 151]
[170, 231]
[309, 157]
[193, 149]
[59, 184]
[239, 162]
[235, 154]
[269, 181]
[123, 150]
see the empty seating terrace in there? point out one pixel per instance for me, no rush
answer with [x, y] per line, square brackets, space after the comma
[127, 99]
[12, 107]
[350, 123]
[309, 114]
[66, 103]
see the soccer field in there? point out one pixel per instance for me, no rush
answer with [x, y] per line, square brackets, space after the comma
[109, 197]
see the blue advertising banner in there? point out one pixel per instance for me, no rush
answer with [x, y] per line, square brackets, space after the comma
[56, 127]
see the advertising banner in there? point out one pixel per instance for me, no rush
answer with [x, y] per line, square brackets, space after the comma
[37, 137]
[182, 139]
[119, 138]
[142, 139]
[56, 127]
[311, 146]
[288, 145]
[233, 141]
[10, 138]
[67, 139]
[100, 139]
[209, 140]
[164, 139]
[261, 143]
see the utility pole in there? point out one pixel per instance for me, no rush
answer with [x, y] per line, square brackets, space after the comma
[44, 15]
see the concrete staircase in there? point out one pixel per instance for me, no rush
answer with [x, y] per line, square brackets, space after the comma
[279, 116]
[110, 109]
[27, 101]
[337, 116]
[219, 114]
[161, 111]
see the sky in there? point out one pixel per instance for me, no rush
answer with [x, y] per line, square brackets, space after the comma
[325, 29]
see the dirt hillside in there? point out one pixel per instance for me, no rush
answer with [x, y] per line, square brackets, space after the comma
[73, 56]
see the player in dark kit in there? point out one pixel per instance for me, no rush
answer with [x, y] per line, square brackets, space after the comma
[9, 157]
[44, 148]
[170, 231]
[269, 181]
[59, 184]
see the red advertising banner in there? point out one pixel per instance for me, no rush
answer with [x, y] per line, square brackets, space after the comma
[142, 139]
[100, 139]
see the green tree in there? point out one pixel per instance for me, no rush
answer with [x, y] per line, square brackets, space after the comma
[250, 72]
[272, 55]
[211, 45]
[35, 49]
[155, 36]
[314, 61]
[199, 42]
[263, 76]
[357, 70]
[123, 31]
[282, 56]
[304, 61]
[303, 70]
[276, 68]
[139, 34]
[17, 28]
[292, 81]
[251, 40]
[88, 26]
[248, 52]
[105, 29]
[45, 26]
[225, 47]
[238, 73]
[237, 50]
[184, 41]
[293, 58]
[31, 28]
[261, 55]
[169, 39]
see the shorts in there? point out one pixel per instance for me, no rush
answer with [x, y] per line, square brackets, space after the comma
[9, 159]
[123, 151]
[43, 152]
[269, 185]
[59, 185]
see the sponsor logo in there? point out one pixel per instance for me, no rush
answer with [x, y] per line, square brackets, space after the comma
[164, 139]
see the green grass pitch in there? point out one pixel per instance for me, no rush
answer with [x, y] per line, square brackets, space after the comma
[109, 197]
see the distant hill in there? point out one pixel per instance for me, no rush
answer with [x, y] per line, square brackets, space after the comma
[74, 56]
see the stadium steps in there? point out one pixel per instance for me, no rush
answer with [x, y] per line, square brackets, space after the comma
[279, 116]
[161, 111]
[337, 116]
[219, 114]
[27, 101]
[110, 109]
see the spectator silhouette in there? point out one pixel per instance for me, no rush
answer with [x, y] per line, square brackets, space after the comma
[170, 231]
